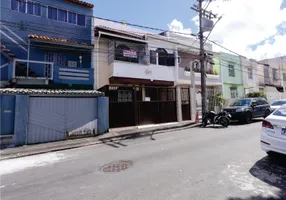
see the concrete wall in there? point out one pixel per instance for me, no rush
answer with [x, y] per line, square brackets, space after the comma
[250, 85]
[21, 120]
[105, 70]
[103, 115]
[7, 115]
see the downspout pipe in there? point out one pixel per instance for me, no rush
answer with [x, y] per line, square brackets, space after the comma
[97, 61]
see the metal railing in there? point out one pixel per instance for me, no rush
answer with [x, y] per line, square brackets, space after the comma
[32, 69]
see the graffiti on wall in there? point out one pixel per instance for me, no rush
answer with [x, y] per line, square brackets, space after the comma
[89, 129]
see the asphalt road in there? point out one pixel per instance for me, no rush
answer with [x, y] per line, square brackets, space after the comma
[210, 163]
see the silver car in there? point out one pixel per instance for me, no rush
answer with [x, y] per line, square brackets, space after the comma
[277, 104]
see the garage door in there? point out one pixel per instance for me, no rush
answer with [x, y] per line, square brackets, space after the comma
[50, 118]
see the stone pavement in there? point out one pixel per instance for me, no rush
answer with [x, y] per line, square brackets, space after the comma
[113, 134]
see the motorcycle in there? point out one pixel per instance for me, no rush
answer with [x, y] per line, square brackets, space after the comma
[222, 118]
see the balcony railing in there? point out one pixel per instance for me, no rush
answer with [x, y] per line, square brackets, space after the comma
[72, 74]
[32, 69]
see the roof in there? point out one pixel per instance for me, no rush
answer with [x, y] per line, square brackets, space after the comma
[22, 91]
[119, 28]
[57, 40]
[89, 5]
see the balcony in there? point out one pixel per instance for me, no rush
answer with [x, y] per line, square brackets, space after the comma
[31, 72]
[126, 63]
[212, 79]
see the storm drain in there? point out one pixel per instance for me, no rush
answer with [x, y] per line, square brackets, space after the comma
[117, 166]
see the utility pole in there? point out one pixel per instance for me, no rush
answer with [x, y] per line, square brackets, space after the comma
[202, 61]
[207, 16]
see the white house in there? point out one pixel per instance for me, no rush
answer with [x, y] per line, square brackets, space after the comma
[274, 77]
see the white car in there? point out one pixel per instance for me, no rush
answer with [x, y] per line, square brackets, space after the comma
[273, 134]
[277, 104]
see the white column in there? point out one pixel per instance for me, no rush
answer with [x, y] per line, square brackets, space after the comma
[193, 94]
[178, 88]
[179, 103]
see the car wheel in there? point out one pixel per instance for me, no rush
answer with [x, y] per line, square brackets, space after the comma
[267, 112]
[248, 118]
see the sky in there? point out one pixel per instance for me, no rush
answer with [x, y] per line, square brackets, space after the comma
[253, 28]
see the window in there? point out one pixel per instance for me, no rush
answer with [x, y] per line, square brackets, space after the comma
[281, 111]
[26, 6]
[14, 5]
[72, 18]
[231, 71]
[250, 73]
[80, 20]
[284, 76]
[30, 8]
[63, 15]
[22, 6]
[241, 102]
[233, 92]
[153, 57]
[38, 9]
[275, 76]
[52, 13]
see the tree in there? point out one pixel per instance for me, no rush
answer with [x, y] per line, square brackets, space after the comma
[256, 94]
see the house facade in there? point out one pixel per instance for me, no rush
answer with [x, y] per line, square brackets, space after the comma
[136, 71]
[47, 44]
[274, 77]
[251, 75]
[232, 76]
[189, 62]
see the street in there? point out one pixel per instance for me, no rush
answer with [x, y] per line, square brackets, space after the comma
[198, 163]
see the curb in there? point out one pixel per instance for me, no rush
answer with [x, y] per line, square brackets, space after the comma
[136, 134]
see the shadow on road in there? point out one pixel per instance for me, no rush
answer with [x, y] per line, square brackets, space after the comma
[270, 170]
[114, 143]
[259, 197]
[241, 124]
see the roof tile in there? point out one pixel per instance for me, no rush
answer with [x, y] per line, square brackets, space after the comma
[50, 92]
[64, 41]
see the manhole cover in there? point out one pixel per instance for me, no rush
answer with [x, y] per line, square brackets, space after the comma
[117, 166]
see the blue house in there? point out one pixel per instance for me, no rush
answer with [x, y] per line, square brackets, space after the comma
[46, 44]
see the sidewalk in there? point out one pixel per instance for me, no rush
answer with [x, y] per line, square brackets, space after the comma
[122, 133]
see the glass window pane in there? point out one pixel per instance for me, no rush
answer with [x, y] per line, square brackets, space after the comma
[22, 6]
[14, 5]
[38, 9]
[63, 15]
[81, 20]
[52, 13]
[72, 18]
[30, 8]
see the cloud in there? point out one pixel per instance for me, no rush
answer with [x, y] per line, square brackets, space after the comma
[248, 26]
[177, 26]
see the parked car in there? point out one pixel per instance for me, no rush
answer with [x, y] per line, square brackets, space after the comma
[277, 104]
[246, 109]
[273, 134]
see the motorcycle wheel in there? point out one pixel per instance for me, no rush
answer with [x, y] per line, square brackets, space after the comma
[204, 123]
[224, 122]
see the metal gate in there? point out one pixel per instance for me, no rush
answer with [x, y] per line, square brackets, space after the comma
[52, 118]
[136, 105]
[186, 109]
[121, 106]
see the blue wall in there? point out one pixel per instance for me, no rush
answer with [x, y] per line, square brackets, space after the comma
[7, 114]
[17, 26]
[103, 115]
[21, 120]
